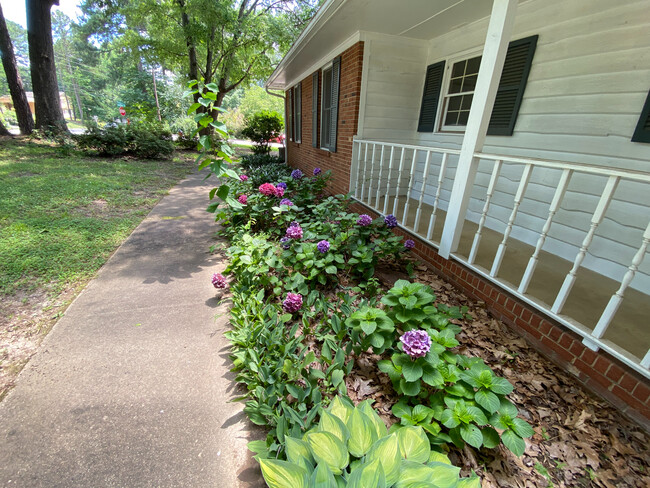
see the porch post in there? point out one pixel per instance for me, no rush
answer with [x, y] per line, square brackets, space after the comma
[499, 32]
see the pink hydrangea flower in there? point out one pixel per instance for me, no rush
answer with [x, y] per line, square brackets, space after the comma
[243, 177]
[279, 191]
[219, 281]
[294, 231]
[292, 303]
[243, 199]
[267, 189]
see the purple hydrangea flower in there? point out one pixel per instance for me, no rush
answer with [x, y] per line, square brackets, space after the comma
[317, 171]
[409, 243]
[323, 246]
[243, 177]
[417, 343]
[281, 185]
[285, 242]
[390, 220]
[219, 281]
[286, 201]
[364, 220]
[296, 174]
[279, 192]
[292, 303]
[243, 199]
[294, 231]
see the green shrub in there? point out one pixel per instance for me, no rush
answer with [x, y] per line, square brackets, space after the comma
[261, 128]
[144, 140]
[254, 161]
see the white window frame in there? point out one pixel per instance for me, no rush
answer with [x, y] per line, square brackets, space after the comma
[445, 95]
[296, 114]
[328, 67]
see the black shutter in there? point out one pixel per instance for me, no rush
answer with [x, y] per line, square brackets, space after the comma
[336, 79]
[642, 131]
[511, 86]
[431, 96]
[289, 115]
[314, 109]
[298, 112]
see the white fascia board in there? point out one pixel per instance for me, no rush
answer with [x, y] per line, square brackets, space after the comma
[348, 43]
[328, 9]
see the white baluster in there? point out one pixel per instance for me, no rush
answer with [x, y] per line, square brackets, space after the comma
[597, 218]
[399, 181]
[390, 174]
[525, 177]
[441, 177]
[617, 298]
[381, 168]
[363, 178]
[555, 206]
[488, 197]
[410, 187]
[425, 175]
[372, 173]
[358, 171]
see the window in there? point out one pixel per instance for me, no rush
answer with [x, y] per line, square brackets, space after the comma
[314, 109]
[460, 86]
[329, 105]
[296, 113]
[458, 99]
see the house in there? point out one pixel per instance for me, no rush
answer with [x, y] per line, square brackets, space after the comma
[511, 139]
[6, 103]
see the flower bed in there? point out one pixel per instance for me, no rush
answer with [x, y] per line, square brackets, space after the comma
[307, 311]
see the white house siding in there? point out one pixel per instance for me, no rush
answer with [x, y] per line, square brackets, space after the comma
[589, 79]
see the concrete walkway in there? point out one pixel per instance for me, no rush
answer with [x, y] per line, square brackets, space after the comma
[131, 387]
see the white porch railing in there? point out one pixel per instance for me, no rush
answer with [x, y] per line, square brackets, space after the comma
[413, 183]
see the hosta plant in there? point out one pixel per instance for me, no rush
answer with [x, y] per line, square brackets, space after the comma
[350, 447]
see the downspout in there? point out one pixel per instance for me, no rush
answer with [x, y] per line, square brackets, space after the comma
[284, 99]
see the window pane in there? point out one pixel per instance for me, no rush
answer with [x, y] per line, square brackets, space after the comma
[473, 65]
[466, 102]
[451, 118]
[462, 117]
[469, 83]
[454, 103]
[458, 69]
[456, 85]
[327, 88]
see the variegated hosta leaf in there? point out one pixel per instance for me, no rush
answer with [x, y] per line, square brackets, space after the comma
[439, 457]
[329, 449]
[322, 477]
[377, 422]
[414, 444]
[334, 425]
[362, 433]
[340, 409]
[283, 474]
[444, 475]
[369, 475]
[297, 449]
[412, 472]
[386, 450]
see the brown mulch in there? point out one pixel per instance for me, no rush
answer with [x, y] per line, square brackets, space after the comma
[580, 440]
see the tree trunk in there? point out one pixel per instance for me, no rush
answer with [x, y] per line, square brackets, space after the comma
[47, 103]
[23, 112]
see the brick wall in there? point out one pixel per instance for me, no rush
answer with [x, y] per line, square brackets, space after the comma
[306, 157]
[599, 372]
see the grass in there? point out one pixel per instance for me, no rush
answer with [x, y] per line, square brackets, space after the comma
[62, 214]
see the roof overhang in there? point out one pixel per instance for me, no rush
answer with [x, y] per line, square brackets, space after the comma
[338, 21]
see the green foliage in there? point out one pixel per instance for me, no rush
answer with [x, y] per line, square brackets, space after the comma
[144, 140]
[350, 447]
[261, 128]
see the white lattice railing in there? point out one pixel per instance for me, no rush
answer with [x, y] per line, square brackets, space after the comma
[412, 183]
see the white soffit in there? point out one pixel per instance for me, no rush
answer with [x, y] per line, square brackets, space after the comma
[338, 20]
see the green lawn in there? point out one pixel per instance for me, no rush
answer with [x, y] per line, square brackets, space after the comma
[62, 215]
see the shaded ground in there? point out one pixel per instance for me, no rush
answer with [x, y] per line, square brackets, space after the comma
[579, 441]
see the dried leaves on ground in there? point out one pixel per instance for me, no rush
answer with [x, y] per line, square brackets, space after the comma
[580, 440]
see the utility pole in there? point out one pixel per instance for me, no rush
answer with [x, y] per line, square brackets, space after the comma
[155, 91]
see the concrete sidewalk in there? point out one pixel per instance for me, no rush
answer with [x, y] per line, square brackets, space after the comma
[131, 387]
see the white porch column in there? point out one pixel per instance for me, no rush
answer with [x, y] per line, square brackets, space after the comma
[499, 32]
